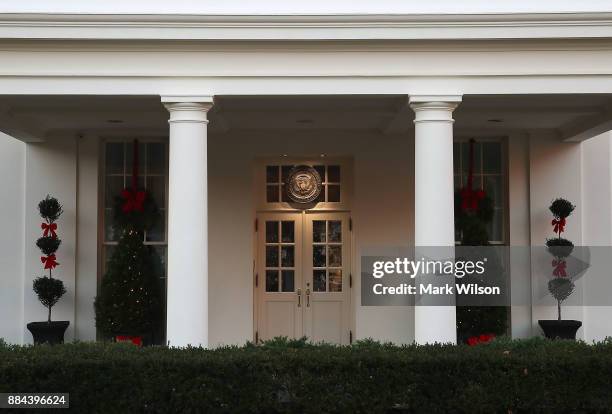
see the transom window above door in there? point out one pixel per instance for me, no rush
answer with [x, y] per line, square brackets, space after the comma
[276, 176]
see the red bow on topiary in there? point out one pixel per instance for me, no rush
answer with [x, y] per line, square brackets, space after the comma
[49, 261]
[558, 225]
[133, 200]
[559, 268]
[49, 228]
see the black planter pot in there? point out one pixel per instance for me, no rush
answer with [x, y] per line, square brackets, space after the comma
[555, 329]
[48, 332]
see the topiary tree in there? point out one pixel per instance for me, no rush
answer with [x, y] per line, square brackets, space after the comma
[561, 286]
[129, 302]
[48, 289]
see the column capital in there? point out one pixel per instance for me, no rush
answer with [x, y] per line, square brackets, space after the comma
[188, 108]
[434, 108]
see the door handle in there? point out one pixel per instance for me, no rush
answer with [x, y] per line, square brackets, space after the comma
[307, 297]
[299, 294]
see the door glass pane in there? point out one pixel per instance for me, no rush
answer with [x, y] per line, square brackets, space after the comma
[288, 280]
[335, 231]
[287, 256]
[288, 231]
[318, 256]
[318, 231]
[271, 231]
[335, 256]
[271, 256]
[271, 280]
[335, 280]
[318, 280]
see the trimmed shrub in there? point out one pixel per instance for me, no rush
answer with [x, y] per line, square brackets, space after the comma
[296, 377]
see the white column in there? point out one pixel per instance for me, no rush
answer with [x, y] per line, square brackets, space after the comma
[187, 306]
[434, 201]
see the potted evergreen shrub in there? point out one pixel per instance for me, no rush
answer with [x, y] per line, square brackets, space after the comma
[561, 285]
[49, 289]
[129, 305]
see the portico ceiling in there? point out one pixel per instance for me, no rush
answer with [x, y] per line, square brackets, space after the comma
[33, 118]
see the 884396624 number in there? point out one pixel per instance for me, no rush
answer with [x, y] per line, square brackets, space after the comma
[34, 400]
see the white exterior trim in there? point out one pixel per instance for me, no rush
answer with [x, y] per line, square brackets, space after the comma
[306, 27]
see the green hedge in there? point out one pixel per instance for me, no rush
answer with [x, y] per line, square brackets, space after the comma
[504, 376]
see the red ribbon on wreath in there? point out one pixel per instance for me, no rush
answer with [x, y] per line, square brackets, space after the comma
[49, 261]
[559, 268]
[470, 197]
[558, 225]
[133, 199]
[49, 228]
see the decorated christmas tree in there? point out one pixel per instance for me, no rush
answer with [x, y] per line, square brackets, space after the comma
[130, 304]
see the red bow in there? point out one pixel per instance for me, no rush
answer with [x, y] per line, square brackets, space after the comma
[558, 225]
[49, 261]
[559, 268]
[470, 198]
[49, 228]
[134, 200]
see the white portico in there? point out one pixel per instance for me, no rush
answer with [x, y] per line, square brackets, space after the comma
[382, 106]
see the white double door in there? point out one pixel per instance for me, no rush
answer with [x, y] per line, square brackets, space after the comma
[303, 274]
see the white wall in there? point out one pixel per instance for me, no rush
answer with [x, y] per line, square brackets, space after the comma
[597, 231]
[12, 180]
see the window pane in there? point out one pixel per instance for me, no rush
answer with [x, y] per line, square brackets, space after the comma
[333, 173]
[318, 256]
[288, 280]
[456, 157]
[288, 231]
[318, 231]
[335, 280]
[272, 174]
[333, 193]
[335, 230]
[287, 256]
[114, 185]
[156, 186]
[114, 158]
[109, 232]
[271, 280]
[318, 281]
[158, 232]
[493, 189]
[271, 231]
[465, 155]
[156, 158]
[335, 256]
[285, 170]
[129, 157]
[272, 256]
[272, 193]
[321, 170]
[492, 162]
